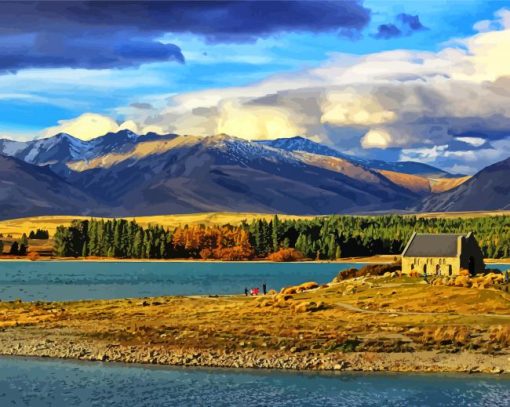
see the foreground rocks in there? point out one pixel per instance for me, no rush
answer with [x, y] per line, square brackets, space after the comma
[26, 342]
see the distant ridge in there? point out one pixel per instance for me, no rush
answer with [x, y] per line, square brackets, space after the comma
[125, 174]
[489, 189]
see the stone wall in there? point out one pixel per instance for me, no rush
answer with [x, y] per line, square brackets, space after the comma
[444, 266]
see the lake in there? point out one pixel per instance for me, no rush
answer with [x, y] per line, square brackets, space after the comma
[46, 382]
[75, 280]
[66, 281]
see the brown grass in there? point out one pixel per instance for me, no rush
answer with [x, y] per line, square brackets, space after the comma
[442, 317]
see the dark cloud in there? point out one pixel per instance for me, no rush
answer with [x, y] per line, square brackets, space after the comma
[405, 25]
[141, 105]
[387, 31]
[116, 34]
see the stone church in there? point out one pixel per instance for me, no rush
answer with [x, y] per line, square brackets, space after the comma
[444, 254]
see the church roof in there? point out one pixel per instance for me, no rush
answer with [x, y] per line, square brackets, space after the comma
[433, 245]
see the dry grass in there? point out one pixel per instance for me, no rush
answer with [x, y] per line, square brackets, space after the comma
[310, 320]
[23, 225]
[17, 227]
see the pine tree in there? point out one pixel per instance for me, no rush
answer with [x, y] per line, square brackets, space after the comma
[24, 240]
[14, 248]
[338, 252]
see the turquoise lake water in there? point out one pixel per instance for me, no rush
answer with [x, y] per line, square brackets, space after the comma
[45, 382]
[65, 281]
[62, 281]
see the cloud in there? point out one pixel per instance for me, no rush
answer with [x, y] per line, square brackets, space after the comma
[405, 25]
[414, 101]
[376, 138]
[99, 35]
[473, 141]
[87, 126]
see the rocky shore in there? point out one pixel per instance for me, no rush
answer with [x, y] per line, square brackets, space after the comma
[30, 344]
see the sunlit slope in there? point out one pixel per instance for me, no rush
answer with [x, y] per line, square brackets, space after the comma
[16, 227]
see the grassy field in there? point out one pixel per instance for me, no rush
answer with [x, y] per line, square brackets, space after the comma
[16, 227]
[376, 316]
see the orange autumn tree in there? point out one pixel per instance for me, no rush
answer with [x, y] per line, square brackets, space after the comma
[212, 242]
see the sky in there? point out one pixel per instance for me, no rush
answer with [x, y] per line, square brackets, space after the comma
[426, 81]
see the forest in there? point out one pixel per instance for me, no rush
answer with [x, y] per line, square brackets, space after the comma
[320, 238]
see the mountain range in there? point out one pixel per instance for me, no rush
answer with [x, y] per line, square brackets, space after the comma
[124, 174]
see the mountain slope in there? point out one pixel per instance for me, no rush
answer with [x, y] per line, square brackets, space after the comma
[489, 189]
[406, 167]
[27, 189]
[222, 173]
[58, 150]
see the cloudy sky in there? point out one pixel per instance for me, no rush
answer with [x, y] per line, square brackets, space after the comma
[427, 81]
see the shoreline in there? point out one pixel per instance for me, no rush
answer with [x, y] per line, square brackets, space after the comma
[365, 324]
[378, 259]
[355, 260]
[373, 362]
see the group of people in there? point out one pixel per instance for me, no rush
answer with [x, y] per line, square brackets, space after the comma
[255, 290]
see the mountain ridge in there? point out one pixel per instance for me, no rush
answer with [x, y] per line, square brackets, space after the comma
[126, 174]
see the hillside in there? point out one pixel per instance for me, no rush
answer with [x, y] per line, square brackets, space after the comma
[126, 174]
[27, 189]
[489, 189]
[223, 173]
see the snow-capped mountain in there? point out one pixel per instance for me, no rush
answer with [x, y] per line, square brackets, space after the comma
[299, 143]
[129, 174]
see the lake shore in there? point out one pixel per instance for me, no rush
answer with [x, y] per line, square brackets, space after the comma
[390, 324]
[378, 259]
[396, 362]
[358, 260]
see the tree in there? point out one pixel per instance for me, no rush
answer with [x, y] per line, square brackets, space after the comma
[24, 240]
[84, 251]
[338, 253]
[22, 251]
[14, 248]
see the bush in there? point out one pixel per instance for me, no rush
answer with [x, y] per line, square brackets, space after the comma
[286, 255]
[33, 256]
[369, 269]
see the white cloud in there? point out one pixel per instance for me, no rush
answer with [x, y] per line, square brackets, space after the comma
[401, 98]
[415, 100]
[474, 141]
[376, 138]
[85, 127]
[426, 155]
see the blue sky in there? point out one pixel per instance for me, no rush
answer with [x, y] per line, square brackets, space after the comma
[47, 78]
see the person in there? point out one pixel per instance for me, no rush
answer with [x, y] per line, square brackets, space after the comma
[246, 291]
[251, 292]
[264, 289]
[256, 291]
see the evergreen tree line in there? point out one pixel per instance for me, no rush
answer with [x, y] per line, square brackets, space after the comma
[333, 237]
[127, 239]
[328, 237]
[39, 234]
[17, 248]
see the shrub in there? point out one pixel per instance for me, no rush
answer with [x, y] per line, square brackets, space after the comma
[369, 269]
[286, 255]
[33, 256]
